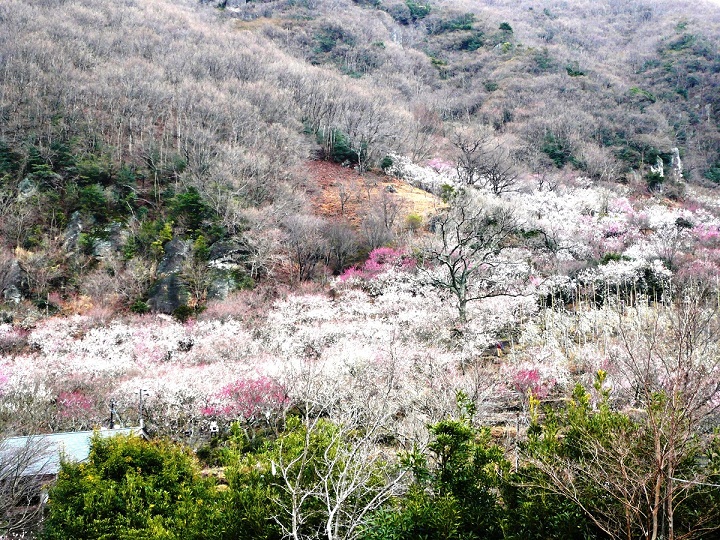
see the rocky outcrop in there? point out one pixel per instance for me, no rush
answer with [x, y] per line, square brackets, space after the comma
[176, 253]
[169, 292]
[114, 238]
[676, 165]
[13, 281]
[229, 254]
[75, 227]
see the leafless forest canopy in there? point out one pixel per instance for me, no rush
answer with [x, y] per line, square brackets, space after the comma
[377, 225]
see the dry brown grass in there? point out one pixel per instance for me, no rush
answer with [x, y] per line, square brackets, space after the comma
[363, 191]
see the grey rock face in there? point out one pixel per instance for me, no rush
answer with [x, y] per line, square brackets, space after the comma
[167, 294]
[677, 167]
[229, 253]
[176, 253]
[222, 283]
[77, 225]
[13, 282]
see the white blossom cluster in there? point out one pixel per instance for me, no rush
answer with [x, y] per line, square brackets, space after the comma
[426, 178]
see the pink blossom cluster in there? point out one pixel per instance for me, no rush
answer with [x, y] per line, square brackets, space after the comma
[74, 404]
[248, 399]
[380, 260]
[440, 165]
[3, 380]
[529, 381]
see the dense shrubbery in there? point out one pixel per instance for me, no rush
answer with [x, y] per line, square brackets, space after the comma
[577, 478]
[130, 488]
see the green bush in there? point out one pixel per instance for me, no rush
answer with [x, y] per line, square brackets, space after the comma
[455, 490]
[92, 200]
[338, 146]
[140, 307]
[10, 161]
[183, 313]
[557, 150]
[574, 70]
[243, 281]
[654, 181]
[417, 10]
[188, 210]
[456, 24]
[472, 42]
[713, 174]
[95, 170]
[132, 488]
[164, 235]
[414, 222]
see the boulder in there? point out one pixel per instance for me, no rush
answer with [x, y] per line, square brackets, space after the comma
[77, 225]
[13, 282]
[26, 188]
[222, 283]
[176, 253]
[116, 235]
[229, 254]
[167, 294]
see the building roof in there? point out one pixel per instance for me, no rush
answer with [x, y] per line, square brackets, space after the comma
[40, 455]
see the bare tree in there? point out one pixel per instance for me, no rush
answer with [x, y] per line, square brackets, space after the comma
[305, 243]
[484, 159]
[342, 243]
[339, 475]
[672, 358]
[632, 470]
[22, 475]
[465, 258]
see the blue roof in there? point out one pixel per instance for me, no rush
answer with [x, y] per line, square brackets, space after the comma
[40, 455]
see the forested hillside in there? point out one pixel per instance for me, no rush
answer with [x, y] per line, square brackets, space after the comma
[379, 269]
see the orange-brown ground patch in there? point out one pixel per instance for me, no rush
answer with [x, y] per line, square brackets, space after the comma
[344, 194]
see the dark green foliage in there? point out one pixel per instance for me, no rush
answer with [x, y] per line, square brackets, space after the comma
[188, 210]
[149, 239]
[574, 70]
[473, 42]
[612, 257]
[418, 10]
[713, 174]
[338, 147]
[543, 60]
[505, 27]
[332, 35]
[10, 161]
[418, 517]
[201, 250]
[91, 200]
[447, 192]
[386, 163]
[243, 281]
[183, 313]
[641, 94]
[455, 492]
[557, 150]
[140, 307]
[654, 181]
[532, 513]
[131, 488]
[93, 169]
[459, 23]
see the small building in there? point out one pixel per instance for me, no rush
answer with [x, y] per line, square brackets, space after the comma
[29, 465]
[41, 455]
